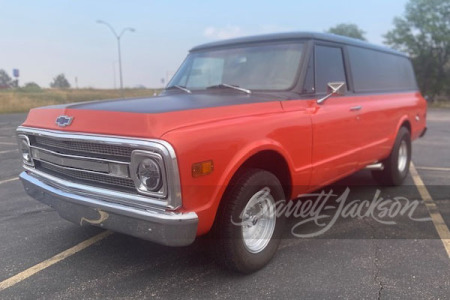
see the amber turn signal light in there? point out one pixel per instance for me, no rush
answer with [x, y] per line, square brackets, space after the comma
[202, 168]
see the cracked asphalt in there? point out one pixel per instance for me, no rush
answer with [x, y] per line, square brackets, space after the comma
[357, 258]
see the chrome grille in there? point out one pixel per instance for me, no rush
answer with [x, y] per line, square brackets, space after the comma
[84, 147]
[86, 176]
[79, 161]
[100, 165]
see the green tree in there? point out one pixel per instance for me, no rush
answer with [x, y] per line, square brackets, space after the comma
[31, 86]
[349, 30]
[424, 33]
[60, 82]
[5, 79]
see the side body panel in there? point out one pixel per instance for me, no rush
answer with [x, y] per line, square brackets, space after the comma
[381, 117]
[304, 133]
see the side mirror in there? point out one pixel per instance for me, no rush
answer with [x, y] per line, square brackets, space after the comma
[333, 89]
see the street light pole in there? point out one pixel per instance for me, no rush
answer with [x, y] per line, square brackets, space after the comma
[120, 64]
[118, 36]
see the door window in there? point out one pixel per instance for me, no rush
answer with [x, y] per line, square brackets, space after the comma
[329, 67]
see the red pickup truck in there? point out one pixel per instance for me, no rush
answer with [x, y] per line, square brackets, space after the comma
[243, 124]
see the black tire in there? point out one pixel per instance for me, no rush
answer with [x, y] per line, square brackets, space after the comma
[393, 174]
[231, 249]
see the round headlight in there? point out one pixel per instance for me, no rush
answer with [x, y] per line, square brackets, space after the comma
[149, 174]
[25, 151]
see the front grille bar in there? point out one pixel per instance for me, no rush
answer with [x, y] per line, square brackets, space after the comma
[81, 162]
[86, 175]
[84, 147]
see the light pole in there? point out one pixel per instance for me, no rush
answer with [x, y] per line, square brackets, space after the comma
[118, 36]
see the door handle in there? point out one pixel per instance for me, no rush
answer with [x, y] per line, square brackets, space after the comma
[356, 108]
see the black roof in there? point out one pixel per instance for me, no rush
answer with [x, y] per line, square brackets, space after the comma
[295, 36]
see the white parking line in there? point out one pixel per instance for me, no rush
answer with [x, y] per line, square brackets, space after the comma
[53, 260]
[8, 180]
[432, 208]
[433, 169]
[8, 151]
[5, 143]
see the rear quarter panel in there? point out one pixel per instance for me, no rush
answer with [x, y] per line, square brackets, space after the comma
[382, 116]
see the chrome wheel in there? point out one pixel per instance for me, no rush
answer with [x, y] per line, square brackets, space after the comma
[402, 156]
[247, 227]
[258, 221]
[397, 163]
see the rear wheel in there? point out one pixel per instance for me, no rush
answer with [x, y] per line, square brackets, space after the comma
[396, 166]
[247, 228]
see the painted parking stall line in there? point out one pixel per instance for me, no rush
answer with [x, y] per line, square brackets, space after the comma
[53, 260]
[8, 151]
[8, 180]
[433, 169]
[432, 208]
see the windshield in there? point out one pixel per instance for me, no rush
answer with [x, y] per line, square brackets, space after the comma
[258, 67]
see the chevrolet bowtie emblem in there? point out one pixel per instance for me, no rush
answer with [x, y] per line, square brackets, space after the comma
[63, 121]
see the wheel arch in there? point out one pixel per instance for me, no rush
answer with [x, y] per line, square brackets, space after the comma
[264, 156]
[407, 124]
[273, 162]
[403, 122]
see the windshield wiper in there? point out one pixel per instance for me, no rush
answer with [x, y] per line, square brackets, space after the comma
[221, 85]
[180, 88]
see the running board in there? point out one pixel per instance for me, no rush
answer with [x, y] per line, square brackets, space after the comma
[375, 166]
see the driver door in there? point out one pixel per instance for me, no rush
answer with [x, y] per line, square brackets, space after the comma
[335, 121]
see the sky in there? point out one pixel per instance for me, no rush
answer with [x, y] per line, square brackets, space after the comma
[44, 38]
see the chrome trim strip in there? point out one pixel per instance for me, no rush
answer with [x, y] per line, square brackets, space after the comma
[173, 199]
[135, 200]
[68, 162]
[77, 163]
[24, 137]
[80, 170]
[95, 159]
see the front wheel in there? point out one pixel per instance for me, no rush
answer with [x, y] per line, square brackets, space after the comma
[247, 228]
[396, 166]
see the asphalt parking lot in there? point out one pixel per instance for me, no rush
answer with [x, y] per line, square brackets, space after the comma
[356, 258]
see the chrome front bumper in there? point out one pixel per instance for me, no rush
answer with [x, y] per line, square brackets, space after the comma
[167, 228]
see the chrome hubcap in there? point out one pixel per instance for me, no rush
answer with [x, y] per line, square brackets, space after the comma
[258, 221]
[402, 156]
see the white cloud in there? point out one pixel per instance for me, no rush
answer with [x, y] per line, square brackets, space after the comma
[227, 32]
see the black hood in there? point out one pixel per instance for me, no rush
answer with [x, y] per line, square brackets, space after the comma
[173, 101]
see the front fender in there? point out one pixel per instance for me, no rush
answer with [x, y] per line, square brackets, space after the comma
[229, 144]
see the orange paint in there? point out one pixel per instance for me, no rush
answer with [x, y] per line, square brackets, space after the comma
[320, 143]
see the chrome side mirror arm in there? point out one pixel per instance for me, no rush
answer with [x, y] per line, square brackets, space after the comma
[333, 89]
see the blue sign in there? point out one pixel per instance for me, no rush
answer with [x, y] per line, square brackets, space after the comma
[16, 72]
